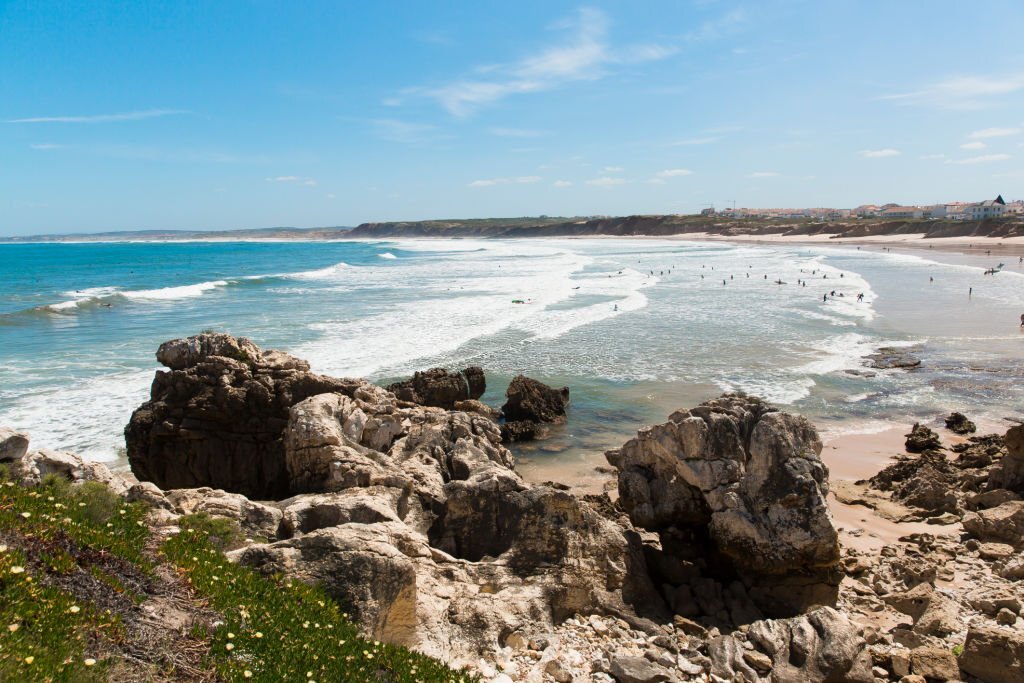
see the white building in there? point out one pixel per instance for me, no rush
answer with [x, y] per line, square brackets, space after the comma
[991, 208]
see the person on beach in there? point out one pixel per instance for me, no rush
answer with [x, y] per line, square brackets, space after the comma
[824, 297]
[1022, 319]
[860, 297]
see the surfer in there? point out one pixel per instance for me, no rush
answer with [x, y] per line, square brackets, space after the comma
[824, 297]
[860, 297]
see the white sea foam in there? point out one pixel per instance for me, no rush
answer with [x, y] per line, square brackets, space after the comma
[174, 293]
[387, 255]
[329, 273]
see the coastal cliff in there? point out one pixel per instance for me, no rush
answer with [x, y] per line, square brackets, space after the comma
[715, 558]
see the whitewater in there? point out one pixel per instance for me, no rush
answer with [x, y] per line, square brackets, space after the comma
[635, 327]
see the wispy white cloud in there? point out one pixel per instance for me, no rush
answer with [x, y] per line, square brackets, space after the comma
[613, 169]
[993, 133]
[674, 172]
[585, 56]
[103, 118]
[879, 153]
[713, 29]
[519, 180]
[606, 181]
[298, 180]
[516, 132]
[48, 145]
[562, 183]
[407, 132]
[696, 141]
[983, 159]
[973, 145]
[961, 92]
[764, 174]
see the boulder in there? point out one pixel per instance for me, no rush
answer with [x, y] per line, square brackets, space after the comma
[888, 358]
[823, 645]
[254, 519]
[994, 655]
[959, 424]
[1003, 523]
[749, 480]
[217, 417]
[474, 406]
[934, 664]
[532, 401]
[921, 439]
[441, 389]
[1009, 473]
[13, 445]
[631, 669]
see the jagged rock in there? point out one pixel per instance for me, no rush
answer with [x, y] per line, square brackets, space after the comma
[823, 645]
[532, 401]
[13, 445]
[474, 406]
[990, 499]
[431, 537]
[36, 465]
[979, 451]
[520, 430]
[933, 613]
[921, 439]
[994, 655]
[888, 358]
[1013, 569]
[255, 519]
[747, 478]
[1009, 473]
[1002, 523]
[441, 389]
[959, 424]
[934, 664]
[217, 417]
[628, 669]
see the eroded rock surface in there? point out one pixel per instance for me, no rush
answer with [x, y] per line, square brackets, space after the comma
[217, 417]
[529, 405]
[746, 480]
[441, 389]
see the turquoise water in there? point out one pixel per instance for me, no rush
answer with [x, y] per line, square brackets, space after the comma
[631, 326]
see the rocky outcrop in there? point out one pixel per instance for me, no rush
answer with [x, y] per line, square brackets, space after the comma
[13, 445]
[745, 481]
[1002, 523]
[530, 404]
[823, 645]
[959, 424]
[217, 417]
[888, 358]
[441, 389]
[927, 482]
[994, 655]
[31, 467]
[1009, 473]
[921, 439]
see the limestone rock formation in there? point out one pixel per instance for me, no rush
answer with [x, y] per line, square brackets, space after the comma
[823, 645]
[994, 655]
[441, 389]
[1002, 523]
[922, 439]
[1009, 473]
[217, 417]
[530, 404]
[959, 424]
[30, 467]
[747, 479]
[13, 445]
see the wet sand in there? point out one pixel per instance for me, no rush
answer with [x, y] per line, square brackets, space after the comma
[1008, 247]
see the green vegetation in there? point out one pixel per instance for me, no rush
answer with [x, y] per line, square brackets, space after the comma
[75, 562]
[958, 650]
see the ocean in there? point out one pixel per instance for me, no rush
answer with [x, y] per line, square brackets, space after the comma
[637, 328]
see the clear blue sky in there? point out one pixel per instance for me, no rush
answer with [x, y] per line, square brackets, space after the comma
[222, 114]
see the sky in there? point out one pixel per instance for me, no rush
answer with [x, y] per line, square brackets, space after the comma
[223, 115]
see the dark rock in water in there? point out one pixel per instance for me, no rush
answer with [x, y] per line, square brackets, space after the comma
[217, 417]
[888, 357]
[520, 430]
[959, 424]
[748, 480]
[441, 389]
[922, 439]
[533, 401]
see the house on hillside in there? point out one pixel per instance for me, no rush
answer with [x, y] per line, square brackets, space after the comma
[990, 208]
[902, 212]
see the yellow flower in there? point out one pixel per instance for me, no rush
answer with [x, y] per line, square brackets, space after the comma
[230, 635]
[17, 570]
[13, 627]
[258, 634]
[229, 646]
[29, 659]
[74, 609]
[3, 548]
[26, 515]
[247, 673]
[89, 662]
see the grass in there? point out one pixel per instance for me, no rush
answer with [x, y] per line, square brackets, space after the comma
[74, 563]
